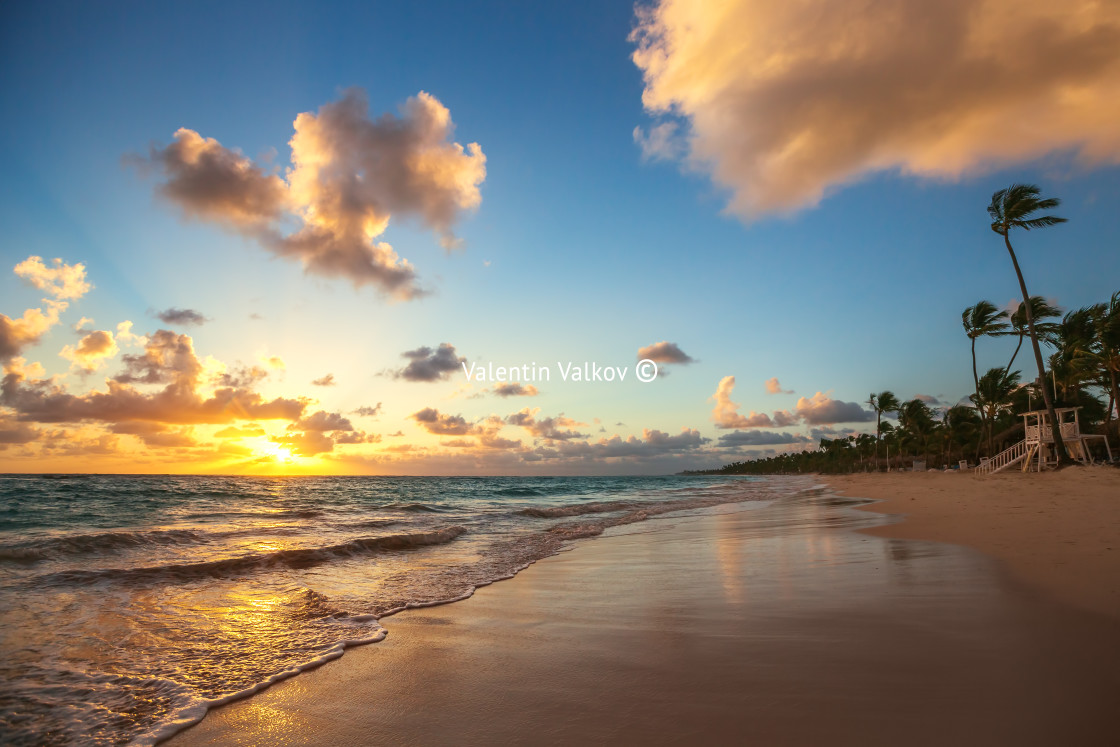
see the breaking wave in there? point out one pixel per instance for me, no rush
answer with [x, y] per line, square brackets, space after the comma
[305, 557]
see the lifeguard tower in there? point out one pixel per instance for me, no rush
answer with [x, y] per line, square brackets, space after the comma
[1036, 451]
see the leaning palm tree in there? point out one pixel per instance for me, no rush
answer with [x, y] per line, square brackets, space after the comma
[982, 320]
[1013, 207]
[882, 402]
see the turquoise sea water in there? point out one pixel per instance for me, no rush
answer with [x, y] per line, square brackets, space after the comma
[129, 605]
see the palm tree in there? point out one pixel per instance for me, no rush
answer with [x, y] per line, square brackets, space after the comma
[1040, 309]
[916, 418]
[982, 320]
[960, 421]
[1013, 207]
[1108, 339]
[882, 402]
[994, 396]
[1090, 340]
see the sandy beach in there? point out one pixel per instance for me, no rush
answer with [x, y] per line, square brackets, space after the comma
[800, 622]
[1059, 532]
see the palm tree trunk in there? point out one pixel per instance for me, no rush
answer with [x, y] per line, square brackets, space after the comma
[980, 410]
[878, 430]
[991, 425]
[1055, 427]
[1113, 395]
[1014, 355]
[1113, 399]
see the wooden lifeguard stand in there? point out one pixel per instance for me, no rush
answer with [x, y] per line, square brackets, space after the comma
[1036, 451]
[1039, 437]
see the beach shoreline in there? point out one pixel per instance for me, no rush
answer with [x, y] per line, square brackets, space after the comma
[723, 624]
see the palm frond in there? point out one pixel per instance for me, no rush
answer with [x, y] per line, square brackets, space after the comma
[1042, 221]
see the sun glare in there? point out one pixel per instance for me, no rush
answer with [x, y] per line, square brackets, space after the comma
[276, 452]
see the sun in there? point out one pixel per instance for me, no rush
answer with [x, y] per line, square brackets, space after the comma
[277, 452]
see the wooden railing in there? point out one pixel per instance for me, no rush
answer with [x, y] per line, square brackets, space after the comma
[1004, 459]
[1069, 431]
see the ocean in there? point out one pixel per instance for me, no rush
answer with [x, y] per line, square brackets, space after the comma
[130, 605]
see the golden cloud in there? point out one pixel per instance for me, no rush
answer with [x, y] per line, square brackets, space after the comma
[785, 101]
[350, 174]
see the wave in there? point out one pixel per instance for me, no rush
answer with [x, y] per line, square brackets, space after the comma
[370, 524]
[102, 542]
[304, 557]
[519, 492]
[296, 513]
[415, 507]
[578, 509]
[110, 542]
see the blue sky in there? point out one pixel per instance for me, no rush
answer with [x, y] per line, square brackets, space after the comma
[581, 248]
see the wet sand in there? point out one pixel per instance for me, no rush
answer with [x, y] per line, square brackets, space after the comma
[734, 625]
[1058, 532]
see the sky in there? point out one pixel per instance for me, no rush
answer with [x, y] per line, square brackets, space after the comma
[265, 238]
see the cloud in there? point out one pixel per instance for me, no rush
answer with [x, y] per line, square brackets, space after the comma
[181, 317]
[275, 362]
[251, 430]
[663, 142]
[327, 380]
[322, 421]
[773, 386]
[820, 409]
[15, 432]
[759, 438]
[783, 418]
[211, 182]
[929, 399]
[168, 360]
[426, 364]
[784, 103]
[59, 280]
[156, 435]
[91, 351]
[319, 432]
[22, 332]
[356, 437]
[431, 420]
[816, 434]
[512, 389]
[368, 412]
[350, 174]
[726, 413]
[308, 443]
[653, 443]
[556, 428]
[125, 336]
[486, 433]
[665, 352]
